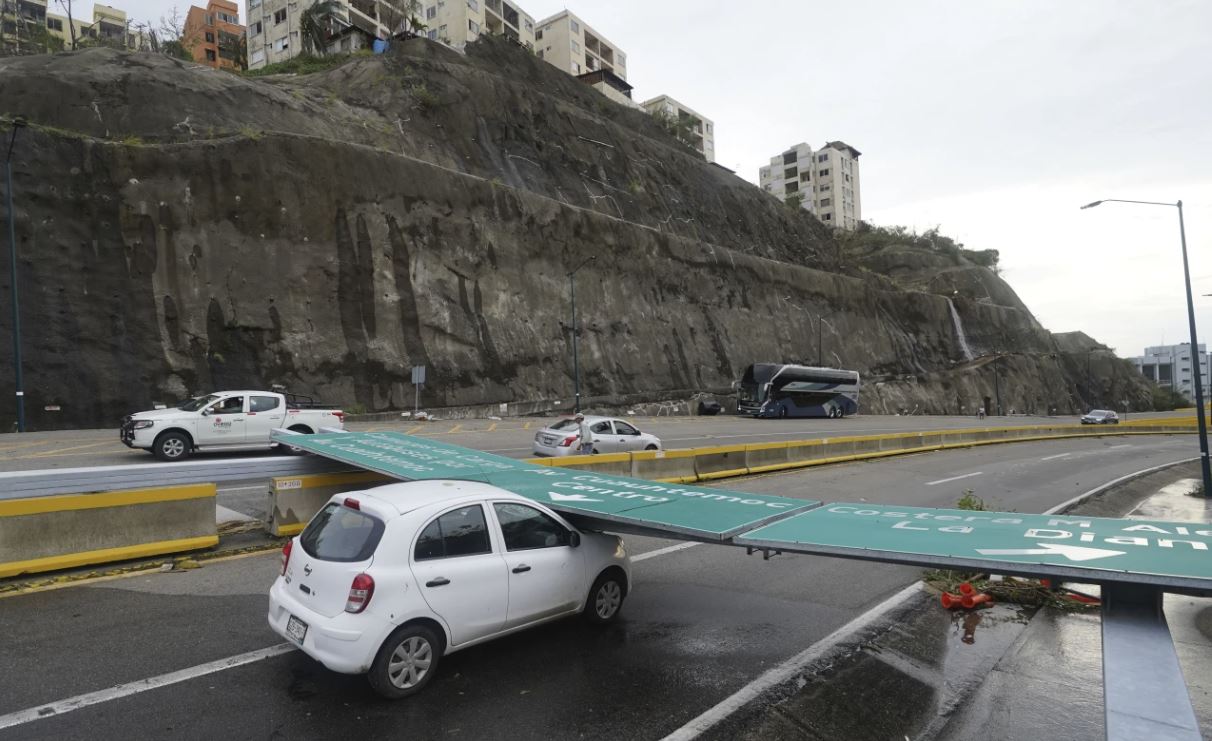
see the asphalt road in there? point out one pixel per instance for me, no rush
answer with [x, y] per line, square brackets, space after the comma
[513, 437]
[703, 622]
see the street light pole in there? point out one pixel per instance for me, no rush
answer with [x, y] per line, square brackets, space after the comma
[18, 123]
[576, 364]
[1205, 469]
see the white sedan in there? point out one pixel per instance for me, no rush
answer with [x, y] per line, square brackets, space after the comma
[386, 581]
[610, 435]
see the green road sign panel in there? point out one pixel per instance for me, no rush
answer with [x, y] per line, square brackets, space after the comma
[1095, 549]
[669, 509]
[401, 456]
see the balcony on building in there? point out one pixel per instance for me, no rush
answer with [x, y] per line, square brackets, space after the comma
[31, 10]
[364, 16]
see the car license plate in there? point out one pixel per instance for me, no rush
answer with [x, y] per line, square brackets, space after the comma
[296, 629]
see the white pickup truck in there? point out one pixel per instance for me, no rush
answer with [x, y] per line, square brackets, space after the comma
[225, 420]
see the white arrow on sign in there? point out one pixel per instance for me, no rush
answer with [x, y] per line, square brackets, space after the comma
[1071, 552]
[558, 497]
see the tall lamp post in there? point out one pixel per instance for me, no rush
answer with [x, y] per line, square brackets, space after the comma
[576, 363]
[18, 123]
[1199, 391]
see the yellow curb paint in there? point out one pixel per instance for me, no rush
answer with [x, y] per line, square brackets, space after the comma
[85, 558]
[292, 529]
[66, 502]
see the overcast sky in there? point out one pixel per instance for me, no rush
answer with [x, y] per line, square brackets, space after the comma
[993, 120]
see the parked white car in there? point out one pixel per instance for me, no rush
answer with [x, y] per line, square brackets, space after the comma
[225, 420]
[388, 580]
[610, 435]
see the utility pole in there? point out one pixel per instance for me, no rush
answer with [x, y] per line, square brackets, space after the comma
[1205, 469]
[576, 364]
[18, 123]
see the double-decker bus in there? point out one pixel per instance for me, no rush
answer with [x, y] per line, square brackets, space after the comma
[773, 390]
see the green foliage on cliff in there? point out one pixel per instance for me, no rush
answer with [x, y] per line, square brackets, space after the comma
[305, 64]
[931, 240]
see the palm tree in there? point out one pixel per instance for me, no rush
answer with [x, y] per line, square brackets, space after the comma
[313, 24]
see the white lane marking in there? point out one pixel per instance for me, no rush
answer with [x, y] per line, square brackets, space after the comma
[1054, 457]
[1117, 447]
[788, 668]
[22, 717]
[954, 478]
[261, 487]
[663, 551]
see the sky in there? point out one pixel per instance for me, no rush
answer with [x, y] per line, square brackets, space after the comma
[993, 120]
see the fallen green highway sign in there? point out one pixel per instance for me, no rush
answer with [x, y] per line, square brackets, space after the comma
[601, 500]
[1095, 549]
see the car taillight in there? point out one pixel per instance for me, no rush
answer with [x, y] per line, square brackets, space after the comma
[286, 555]
[353, 503]
[339, 415]
[360, 592]
[568, 441]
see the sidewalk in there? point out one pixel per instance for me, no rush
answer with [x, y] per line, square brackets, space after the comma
[1049, 685]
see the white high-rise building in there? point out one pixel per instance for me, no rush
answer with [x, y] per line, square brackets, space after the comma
[565, 41]
[697, 128]
[825, 182]
[1171, 366]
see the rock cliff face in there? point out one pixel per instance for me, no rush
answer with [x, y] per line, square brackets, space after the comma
[182, 229]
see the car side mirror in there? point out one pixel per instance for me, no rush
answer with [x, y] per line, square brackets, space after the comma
[574, 539]
[205, 412]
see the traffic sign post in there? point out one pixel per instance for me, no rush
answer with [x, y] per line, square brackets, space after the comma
[418, 380]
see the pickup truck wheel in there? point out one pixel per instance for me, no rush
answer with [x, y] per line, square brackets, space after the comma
[652, 447]
[172, 446]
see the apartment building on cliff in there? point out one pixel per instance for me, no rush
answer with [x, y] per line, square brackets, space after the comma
[28, 27]
[824, 182]
[460, 22]
[213, 34]
[693, 127]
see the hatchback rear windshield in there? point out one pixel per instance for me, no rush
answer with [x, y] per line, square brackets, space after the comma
[341, 534]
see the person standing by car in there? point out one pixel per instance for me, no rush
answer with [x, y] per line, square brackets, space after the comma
[586, 435]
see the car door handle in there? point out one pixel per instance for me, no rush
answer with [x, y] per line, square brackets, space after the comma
[441, 581]
[521, 568]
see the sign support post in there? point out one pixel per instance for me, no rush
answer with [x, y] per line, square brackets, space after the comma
[418, 380]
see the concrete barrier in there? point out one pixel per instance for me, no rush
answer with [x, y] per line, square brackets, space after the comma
[294, 500]
[69, 530]
[618, 464]
[670, 466]
[720, 462]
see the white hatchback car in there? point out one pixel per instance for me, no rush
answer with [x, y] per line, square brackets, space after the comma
[610, 435]
[388, 580]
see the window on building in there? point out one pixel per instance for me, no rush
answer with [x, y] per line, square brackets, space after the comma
[210, 19]
[825, 188]
[620, 58]
[789, 158]
[210, 37]
[228, 18]
[254, 29]
[281, 44]
[825, 202]
[576, 68]
[576, 48]
[433, 34]
[790, 173]
[823, 173]
[805, 176]
[256, 57]
[576, 28]
[792, 187]
[473, 4]
[210, 55]
[54, 24]
[827, 217]
[279, 16]
[538, 35]
[431, 12]
[473, 26]
[254, 4]
[442, 31]
[822, 157]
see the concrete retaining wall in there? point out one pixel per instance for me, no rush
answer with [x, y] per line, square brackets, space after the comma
[70, 530]
[295, 499]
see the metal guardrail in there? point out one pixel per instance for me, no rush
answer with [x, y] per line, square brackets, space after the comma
[22, 484]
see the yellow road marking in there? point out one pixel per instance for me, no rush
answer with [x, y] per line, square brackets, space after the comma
[413, 429]
[454, 429]
[491, 427]
[526, 426]
[58, 451]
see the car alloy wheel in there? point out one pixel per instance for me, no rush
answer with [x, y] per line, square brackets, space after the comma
[173, 447]
[608, 599]
[410, 662]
